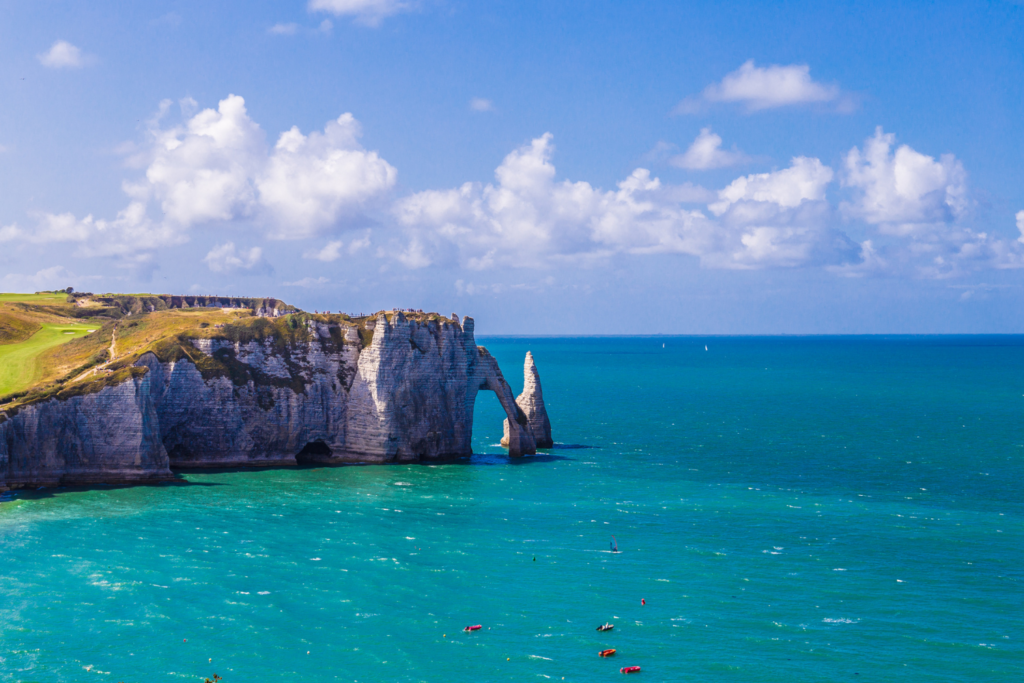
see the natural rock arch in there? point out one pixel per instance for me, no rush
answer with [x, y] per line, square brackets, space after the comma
[517, 438]
[395, 390]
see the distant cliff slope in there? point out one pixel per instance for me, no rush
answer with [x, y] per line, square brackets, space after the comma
[171, 382]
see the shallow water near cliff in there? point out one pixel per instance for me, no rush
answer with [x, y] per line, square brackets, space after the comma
[811, 509]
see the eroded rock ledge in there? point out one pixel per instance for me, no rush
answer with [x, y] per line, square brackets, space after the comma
[407, 396]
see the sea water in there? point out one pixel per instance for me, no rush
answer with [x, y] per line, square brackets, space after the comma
[790, 509]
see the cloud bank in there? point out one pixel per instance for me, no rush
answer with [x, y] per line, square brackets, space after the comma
[912, 206]
[527, 218]
[216, 167]
[887, 208]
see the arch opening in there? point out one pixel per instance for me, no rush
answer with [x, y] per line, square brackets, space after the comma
[314, 451]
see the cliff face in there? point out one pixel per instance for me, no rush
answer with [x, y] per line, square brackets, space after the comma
[531, 403]
[407, 397]
[110, 436]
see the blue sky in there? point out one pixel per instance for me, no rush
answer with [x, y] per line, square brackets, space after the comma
[549, 167]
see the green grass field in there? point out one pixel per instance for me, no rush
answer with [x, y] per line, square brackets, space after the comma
[19, 363]
[32, 298]
[48, 342]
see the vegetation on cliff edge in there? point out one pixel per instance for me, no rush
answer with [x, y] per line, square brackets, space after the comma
[63, 344]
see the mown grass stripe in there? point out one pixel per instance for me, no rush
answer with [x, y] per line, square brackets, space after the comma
[19, 363]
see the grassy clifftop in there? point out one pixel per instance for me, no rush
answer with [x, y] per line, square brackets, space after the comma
[58, 345]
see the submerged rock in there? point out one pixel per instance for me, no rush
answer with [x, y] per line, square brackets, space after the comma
[531, 402]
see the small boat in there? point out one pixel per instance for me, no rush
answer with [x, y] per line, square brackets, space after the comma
[606, 627]
[606, 653]
[473, 628]
[630, 670]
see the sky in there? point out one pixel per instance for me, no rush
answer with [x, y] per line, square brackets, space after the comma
[546, 167]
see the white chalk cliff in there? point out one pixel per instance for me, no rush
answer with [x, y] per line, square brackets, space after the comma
[406, 397]
[531, 402]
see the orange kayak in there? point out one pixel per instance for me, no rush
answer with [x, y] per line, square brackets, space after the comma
[630, 669]
[606, 653]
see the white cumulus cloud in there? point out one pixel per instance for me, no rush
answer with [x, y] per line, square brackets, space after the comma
[215, 167]
[333, 250]
[131, 234]
[370, 12]
[203, 170]
[764, 87]
[311, 182]
[330, 252]
[1019, 217]
[46, 279]
[706, 152]
[9, 233]
[64, 55]
[781, 218]
[225, 258]
[806, 179]
[922, 205]
[903, 189]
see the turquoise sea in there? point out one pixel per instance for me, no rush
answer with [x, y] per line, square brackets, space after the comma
[790, 509]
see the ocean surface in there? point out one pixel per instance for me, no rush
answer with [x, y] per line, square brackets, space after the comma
[790, 509]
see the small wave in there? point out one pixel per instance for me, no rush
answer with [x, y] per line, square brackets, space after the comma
[264, 593]
[539, 657]
[840, 621]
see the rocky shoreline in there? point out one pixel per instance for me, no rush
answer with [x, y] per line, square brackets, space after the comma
[408, 396]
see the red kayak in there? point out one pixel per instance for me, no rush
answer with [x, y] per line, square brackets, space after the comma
[473, 628]
[630, 669]
[606, 653]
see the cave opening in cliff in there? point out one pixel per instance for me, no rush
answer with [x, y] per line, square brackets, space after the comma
[314, 451]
